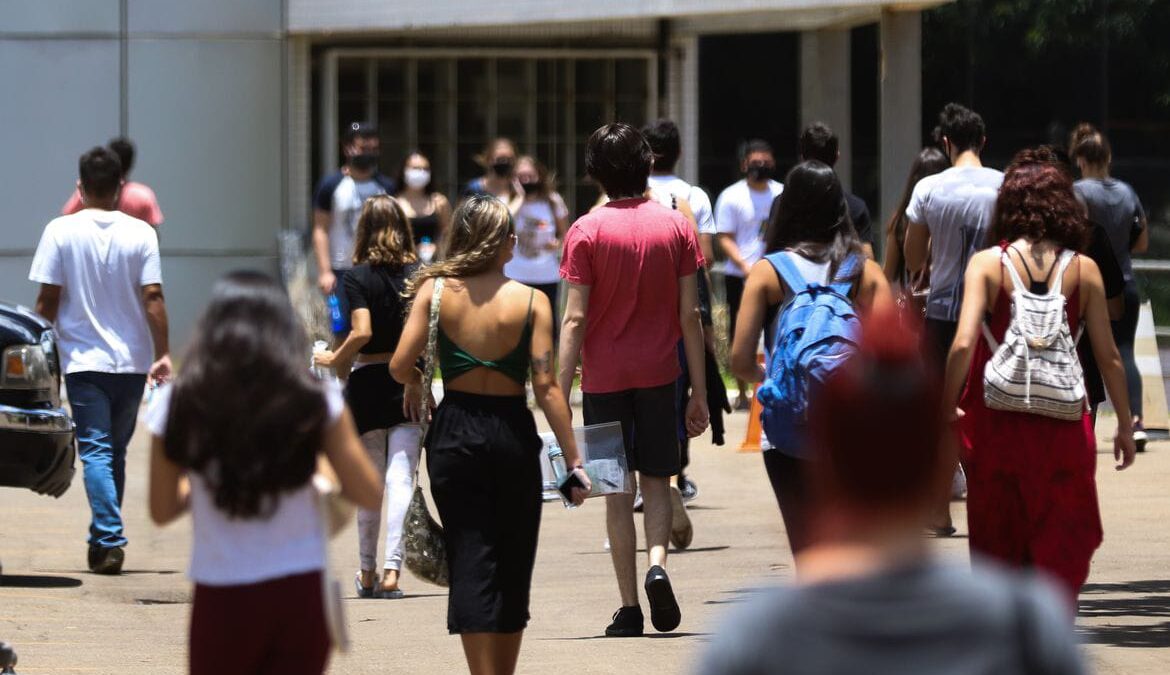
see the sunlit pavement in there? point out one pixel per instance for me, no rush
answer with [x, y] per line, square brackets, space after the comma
[64, 620]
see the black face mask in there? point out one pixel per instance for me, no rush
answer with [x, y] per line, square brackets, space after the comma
[364, 161]
[759, 172]
[531, 188]
[503, 168]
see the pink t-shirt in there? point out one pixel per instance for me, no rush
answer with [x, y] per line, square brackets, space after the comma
[136, 199]
[631, 253]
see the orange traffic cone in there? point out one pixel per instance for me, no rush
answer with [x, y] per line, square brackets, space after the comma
[751, 441]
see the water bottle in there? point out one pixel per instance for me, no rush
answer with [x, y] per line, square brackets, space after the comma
[557, 457]
[335, 317]
[560, 469]
[426, 250]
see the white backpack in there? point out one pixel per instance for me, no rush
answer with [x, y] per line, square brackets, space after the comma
[1036, 369]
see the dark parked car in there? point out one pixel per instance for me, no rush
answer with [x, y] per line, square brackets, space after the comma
[37, 444]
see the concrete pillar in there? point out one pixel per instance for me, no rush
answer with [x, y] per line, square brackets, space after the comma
[683, 96]
[900, 131]
[825, 89]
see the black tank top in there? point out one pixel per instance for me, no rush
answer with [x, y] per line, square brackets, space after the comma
[425, 226]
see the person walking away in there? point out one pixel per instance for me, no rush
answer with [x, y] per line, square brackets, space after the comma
[541, 223]
[929, 161]
[498, 159]
[1028, 446]
[483, 452]
[809, 232]
[135, 199]
[1115, 205]
[670, 190]
[663, 136]
[741, 216]
[818, 142]
[101, 286]
[240, 454]
[384, 259]
[949, 215]
[632, 295]
[337, 203]
[869, 595]
[428, 209]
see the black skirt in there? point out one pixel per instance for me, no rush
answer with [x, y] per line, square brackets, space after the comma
[375, 398]
[483, 458]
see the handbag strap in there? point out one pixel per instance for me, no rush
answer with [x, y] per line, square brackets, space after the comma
[429, 364]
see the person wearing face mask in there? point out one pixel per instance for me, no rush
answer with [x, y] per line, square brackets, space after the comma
[499, 161]
[428, 209]
[337, 203]
[541, 222]
[741, 216]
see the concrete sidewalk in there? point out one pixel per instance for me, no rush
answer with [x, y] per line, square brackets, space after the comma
[65, 620]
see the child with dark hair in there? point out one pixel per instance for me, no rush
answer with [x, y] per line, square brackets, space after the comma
[237, 440]
[819, 142]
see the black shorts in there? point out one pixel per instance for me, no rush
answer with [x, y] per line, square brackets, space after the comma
[649, 426]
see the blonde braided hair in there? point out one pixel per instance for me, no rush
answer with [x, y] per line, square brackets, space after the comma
[480, 229]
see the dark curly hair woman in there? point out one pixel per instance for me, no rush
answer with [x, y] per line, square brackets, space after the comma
[1032, 492]
[237, 439]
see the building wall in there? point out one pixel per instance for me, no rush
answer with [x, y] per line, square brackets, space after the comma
[199, 88]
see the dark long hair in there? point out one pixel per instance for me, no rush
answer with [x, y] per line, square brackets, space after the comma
[930, 160]
[246, 413]
[811, 218]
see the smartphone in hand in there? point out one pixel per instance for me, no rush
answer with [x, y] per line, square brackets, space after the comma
[572, 480]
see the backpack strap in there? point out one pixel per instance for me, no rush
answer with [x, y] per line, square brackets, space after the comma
[1062, 263]
[1006, 261]
[788, 271]
[843, 282]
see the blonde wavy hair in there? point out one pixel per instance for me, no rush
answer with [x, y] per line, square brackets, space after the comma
[383, 234]
[480, 229]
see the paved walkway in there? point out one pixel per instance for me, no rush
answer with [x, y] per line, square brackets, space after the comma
[64, 620]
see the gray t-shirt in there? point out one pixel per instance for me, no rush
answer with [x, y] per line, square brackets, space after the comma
[929, 619]
[956, 206]
[1114, 206]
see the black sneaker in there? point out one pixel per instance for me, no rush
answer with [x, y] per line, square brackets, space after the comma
[106, 560]
[627, 622]
[664, 612]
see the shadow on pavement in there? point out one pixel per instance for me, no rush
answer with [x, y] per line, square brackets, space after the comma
[38, 581]
[1131, 599]
[656, 636]
[1142, 636]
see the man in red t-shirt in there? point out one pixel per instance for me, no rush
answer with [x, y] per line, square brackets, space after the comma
[134, 199]
[630, 266]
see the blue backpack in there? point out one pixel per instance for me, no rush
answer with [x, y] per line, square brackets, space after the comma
[816, 333]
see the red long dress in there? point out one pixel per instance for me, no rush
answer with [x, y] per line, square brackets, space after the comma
[1031, 485]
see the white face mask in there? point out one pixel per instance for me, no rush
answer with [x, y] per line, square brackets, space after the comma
[417, 178]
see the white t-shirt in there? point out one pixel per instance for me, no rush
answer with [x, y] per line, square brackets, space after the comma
[743, 213]
[697, 197]
[101, 260]
[343, 197]
[533, 262]
[956, 206]
[230, 551]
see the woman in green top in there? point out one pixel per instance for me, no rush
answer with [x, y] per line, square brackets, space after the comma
[483, 452]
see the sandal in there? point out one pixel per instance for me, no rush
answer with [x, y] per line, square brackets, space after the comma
[362, 591]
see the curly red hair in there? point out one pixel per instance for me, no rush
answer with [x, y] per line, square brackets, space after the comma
[1037, 202]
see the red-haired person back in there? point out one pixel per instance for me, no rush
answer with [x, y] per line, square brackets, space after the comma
[1032, 494]
[869, 597]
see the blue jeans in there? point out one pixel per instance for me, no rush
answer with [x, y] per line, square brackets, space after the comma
[105, 408]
